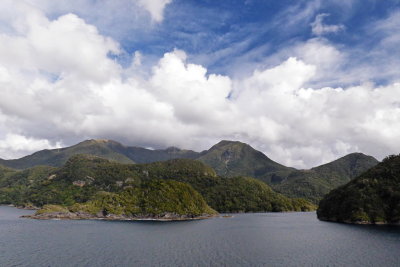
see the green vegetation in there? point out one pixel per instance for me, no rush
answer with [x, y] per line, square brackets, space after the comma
[152, 198]
[16, 185]
[238, 159]
[227, 158]
[316, 183]
[52, 208]
[83, 176]
[241, 194]
[373, 197]
[57, 157]
[107, 149]
[232, 159]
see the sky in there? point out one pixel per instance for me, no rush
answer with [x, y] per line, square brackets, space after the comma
[304, 81]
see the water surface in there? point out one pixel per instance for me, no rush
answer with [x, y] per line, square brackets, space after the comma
[273, 239]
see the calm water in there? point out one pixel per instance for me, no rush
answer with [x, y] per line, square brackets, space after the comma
[273, 239]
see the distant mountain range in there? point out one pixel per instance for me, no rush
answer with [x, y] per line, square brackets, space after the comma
[107, 149]
[227, 158]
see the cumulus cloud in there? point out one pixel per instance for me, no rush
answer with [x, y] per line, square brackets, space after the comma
[59, 85]
[319, 28]
[13, 145]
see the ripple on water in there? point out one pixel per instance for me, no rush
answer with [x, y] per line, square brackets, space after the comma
[273, 239]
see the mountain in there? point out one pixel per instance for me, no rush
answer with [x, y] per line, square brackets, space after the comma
[348, 166]
[57, 157]
[373, 197]
[107, 149]
[232, 158]
[227, 158]
[143, 155]
[84, 176]
[313, 184]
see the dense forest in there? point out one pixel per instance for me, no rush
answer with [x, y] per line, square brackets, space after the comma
[84, 176]
[373, 197]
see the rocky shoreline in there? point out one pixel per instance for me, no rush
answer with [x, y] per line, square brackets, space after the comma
[358, 222]
[114, 217]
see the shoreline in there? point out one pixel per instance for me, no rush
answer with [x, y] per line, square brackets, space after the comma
[20, 207]
[112, 217]
[360, 222]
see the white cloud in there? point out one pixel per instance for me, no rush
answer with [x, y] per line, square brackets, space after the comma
[155, 8]
[58, 84]
[319, 28]
[13, 145]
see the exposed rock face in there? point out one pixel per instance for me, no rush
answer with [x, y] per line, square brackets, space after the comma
[79, 183]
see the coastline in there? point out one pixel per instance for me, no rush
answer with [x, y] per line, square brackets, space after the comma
[112, 217]
[359, 222]
[20, 207]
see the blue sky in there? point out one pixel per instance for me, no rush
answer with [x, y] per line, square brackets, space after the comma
[207, 27]
[224, 35]
[303, 81]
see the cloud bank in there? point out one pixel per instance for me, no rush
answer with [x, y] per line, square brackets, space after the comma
[59, 84]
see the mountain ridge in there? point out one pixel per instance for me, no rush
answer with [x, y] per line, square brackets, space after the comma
[314, 183]
[227, 158]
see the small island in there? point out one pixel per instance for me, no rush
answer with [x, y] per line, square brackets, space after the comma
[154, 200]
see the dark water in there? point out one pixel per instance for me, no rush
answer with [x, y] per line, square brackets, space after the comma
[271, 239]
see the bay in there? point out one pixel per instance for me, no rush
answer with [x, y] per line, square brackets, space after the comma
[260, 239]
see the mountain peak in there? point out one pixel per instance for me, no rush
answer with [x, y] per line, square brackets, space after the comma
[233, 158]
[350, 165]
[229, 142]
